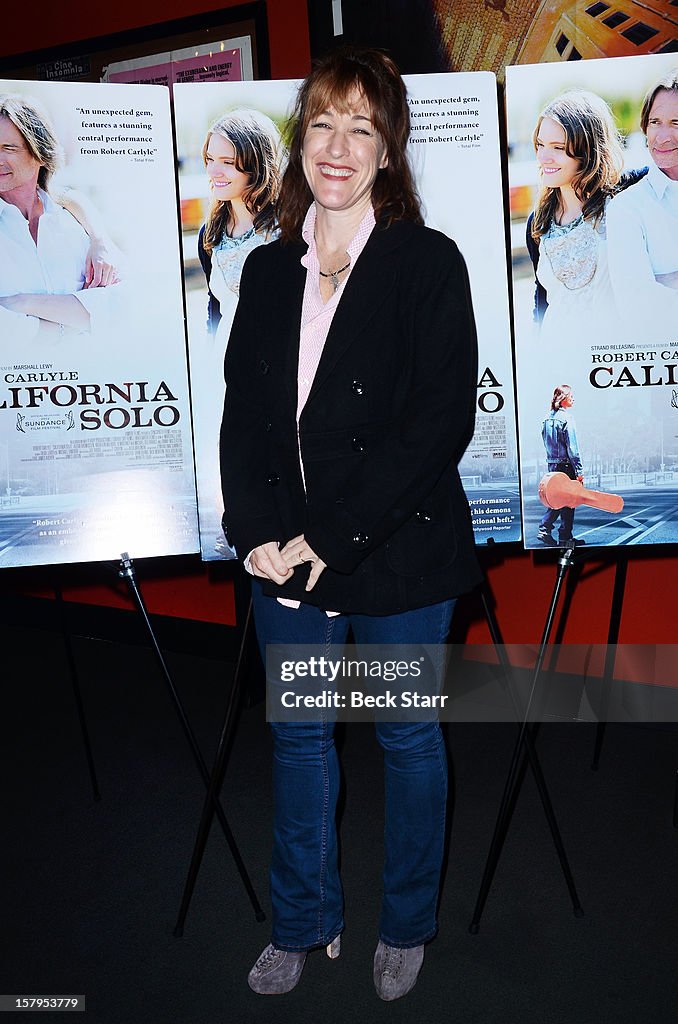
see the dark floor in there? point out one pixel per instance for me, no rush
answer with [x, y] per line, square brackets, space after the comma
[92, 889]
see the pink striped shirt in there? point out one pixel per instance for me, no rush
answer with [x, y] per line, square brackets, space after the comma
[316, 315]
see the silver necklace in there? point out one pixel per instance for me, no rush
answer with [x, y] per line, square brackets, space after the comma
[334, 274]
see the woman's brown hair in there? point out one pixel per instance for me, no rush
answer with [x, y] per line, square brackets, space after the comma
[591, 137]
[559, 393]
[335, 81]
[258, 152]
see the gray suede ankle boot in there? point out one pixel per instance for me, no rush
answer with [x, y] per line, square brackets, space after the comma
[396, 970]
[277, 971]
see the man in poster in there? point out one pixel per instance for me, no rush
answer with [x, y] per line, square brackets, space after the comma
[44, 254]
[643, 225]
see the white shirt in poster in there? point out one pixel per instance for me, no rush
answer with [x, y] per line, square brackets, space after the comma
[55, 266]
[642, 229]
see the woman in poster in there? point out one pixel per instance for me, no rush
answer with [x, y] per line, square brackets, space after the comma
[580, 161]
[559, 435]
[350, 391]
[49, 281]
[643, 226]
[243, 155]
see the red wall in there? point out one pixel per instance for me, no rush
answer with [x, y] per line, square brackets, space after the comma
[521, 583]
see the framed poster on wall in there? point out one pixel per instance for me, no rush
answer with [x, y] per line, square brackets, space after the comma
[211, 34]
[229, 60]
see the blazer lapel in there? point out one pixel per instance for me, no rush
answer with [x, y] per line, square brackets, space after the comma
[286, 300]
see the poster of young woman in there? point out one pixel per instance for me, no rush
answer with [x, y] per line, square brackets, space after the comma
[593, 170]
[95, 433]
[231, 152]
[231, 156]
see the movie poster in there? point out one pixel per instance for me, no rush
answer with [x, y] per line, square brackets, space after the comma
[210, 119]
[454, 145]
[455, 154]
[95, 431]
[594, 201]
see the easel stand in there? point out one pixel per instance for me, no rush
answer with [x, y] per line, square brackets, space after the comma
[128, 573]
[216, 782]
[65, 632]
[612, 640]
[525, 749]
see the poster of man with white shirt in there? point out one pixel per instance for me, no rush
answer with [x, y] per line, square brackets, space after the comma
[642, 222]
[95, 436]
[595, 283]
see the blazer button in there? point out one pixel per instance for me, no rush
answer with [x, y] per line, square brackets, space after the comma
[268, 426]
[357, 387]
[423, 516]
[358, 444]
[264, 367]
[273, 479]
[360, 539]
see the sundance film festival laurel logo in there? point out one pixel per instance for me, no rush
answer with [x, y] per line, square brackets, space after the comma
[37, 422]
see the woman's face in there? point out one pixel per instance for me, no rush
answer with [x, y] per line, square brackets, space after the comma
[341, 156]
[227, 181]
[556, 167]
[662, 132]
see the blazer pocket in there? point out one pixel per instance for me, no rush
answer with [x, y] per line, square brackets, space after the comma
[426, 543]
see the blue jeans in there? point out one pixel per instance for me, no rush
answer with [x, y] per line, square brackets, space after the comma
[306, 892]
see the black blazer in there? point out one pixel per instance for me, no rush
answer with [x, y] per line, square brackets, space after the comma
[387, 419]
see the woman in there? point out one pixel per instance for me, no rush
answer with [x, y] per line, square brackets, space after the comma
[242, 154]
[562, 455]
[49, 280]
[643, 226]
[350, 390]
[580, 162]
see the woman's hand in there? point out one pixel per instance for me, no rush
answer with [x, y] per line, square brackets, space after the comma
[296, 552]
[267, 561]
[100, 268]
